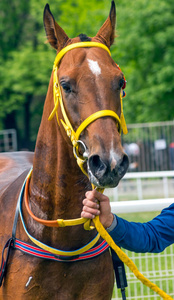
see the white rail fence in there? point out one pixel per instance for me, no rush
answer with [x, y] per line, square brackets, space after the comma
[159, 268]
[144, 185]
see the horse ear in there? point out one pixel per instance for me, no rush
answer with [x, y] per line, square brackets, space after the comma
[55, 34]
[107, 32]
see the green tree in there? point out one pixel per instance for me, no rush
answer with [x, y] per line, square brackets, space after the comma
[146, 52]
[12, 20]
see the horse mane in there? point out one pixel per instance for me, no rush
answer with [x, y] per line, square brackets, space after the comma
[84, 38]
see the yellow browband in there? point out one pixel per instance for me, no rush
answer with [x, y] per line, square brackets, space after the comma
[78, 45]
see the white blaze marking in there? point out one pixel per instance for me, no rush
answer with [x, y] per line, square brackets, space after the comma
[113, 164]
[113, 158]
[94, 67]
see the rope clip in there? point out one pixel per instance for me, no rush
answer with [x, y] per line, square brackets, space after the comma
[79, 142]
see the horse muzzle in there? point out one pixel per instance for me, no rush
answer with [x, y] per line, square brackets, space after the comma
[105, 173]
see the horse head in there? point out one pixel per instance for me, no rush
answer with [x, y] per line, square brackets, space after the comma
[90, 81]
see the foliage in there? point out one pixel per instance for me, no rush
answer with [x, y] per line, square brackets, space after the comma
[144, 49]
[148, 59]
[12, 20]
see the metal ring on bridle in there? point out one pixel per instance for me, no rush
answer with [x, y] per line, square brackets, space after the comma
[77, 155]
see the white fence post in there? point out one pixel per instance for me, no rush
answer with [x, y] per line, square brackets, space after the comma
[165, 187]
[139, 189]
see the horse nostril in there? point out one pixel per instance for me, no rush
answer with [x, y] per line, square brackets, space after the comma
[97, 166]
[123, 166]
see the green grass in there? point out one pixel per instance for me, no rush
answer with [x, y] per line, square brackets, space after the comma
[139, 217]
[154, 263]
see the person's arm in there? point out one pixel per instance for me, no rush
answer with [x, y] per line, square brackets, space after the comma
[153, 236]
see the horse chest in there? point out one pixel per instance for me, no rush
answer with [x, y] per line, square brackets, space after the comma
[37, 279]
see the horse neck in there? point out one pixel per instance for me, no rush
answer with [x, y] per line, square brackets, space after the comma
[57, 185]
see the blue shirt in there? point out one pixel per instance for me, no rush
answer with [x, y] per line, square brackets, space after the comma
[153, 236]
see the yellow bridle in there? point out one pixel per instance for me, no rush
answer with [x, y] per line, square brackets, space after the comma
[58, 100]
[74, 136]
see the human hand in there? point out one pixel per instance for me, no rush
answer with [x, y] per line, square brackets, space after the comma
[96, 204]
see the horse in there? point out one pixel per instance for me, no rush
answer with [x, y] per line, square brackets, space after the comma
[90, 84]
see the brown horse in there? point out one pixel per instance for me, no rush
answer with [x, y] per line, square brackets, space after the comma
[90, 82]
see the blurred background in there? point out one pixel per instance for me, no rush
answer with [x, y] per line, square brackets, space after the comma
[144, 49]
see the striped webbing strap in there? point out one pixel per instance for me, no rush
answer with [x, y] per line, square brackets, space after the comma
[40, 253]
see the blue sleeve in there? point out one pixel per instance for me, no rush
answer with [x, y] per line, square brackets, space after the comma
[153, 236]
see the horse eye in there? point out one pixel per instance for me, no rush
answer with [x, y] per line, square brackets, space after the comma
[66, 87]
[121, 83]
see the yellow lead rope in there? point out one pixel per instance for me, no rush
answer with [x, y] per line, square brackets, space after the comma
[125, 259]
